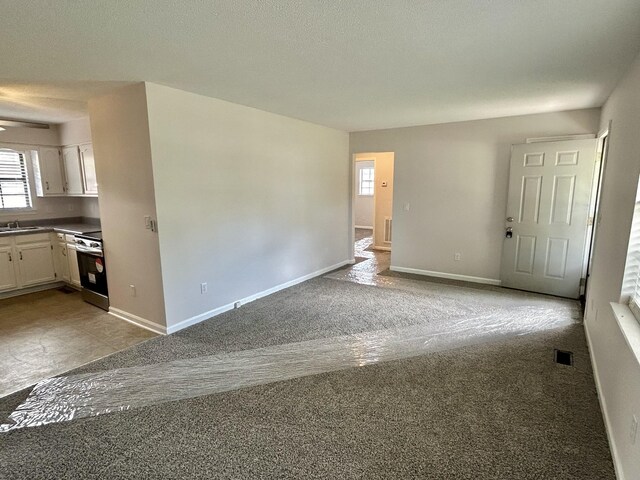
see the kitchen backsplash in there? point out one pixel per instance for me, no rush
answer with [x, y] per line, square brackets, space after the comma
[55, 207]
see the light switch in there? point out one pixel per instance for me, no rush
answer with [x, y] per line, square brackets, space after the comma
[407, 207]
[147, 222]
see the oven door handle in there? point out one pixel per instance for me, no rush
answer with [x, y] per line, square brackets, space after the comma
[88, 250]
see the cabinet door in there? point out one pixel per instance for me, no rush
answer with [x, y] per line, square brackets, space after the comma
[35, 263]
[72, 170]
[62, 262]
[74, 271]
[51, 177]
[8, 279]
[90, 182]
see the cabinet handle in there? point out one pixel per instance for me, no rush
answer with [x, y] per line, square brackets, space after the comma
[64, 253]
[10, 259]
[20, 254]
[47, 183]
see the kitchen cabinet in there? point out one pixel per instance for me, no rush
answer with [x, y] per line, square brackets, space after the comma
[25, 261]
[74, 269]
[66, 259]
[35, 264]
[48, 172]
[8, 278]
[72, 170]
[89, 179]
[61, 261]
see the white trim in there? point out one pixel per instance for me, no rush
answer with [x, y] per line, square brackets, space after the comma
[450, 276]
[384, 249]
[363, 227]
[139, 321]
[230, 306]
[603, 407]
[561, 138]
[34, 289]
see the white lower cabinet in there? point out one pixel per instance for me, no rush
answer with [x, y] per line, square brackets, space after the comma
[35, 263]
[8, 278]
[25, 261]
[62, 261]
[74, 270]
[37, 259]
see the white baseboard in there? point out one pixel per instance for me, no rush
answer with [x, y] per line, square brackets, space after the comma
[27, 290]
[139, 321]
[450, 276]
[364, 227]
[384, 249]
[603, 408]
[230, 306]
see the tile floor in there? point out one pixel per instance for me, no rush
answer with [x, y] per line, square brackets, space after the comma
[47, 333]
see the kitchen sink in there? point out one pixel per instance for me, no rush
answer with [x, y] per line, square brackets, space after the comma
[18, 229]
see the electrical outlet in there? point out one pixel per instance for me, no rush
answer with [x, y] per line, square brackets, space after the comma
[203, 288]
[132, 290]
[407, 207]
[457, 256]
[147, 222]
[633, 429]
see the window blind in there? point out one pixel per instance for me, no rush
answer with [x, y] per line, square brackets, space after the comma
[14, 183]
[631, 282]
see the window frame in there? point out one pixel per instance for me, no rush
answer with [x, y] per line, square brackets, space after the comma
[370, 181]
[25, 157]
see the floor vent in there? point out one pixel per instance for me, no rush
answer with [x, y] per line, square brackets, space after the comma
[66, 290]
[563, 357]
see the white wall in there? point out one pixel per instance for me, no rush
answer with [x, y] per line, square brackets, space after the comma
[247, 200]
[616, 367]
[363, 205]
[75, 132]
[120, 132]
[454, 176]
[31, 136]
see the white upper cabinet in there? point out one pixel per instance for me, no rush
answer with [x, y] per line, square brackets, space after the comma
[90, 182]
[48, 172]
[72, 170]
[67, 171]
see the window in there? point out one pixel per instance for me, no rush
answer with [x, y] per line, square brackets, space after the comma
[366, 181]
[14, 183]
[631, 283]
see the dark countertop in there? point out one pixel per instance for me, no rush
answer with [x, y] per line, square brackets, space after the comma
[75, 225]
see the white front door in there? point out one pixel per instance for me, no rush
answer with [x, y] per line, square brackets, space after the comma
[546, 220]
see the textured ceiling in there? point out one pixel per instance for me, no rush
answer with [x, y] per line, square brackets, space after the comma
[353, 65]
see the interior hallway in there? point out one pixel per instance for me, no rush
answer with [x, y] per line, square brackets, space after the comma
[47, 333]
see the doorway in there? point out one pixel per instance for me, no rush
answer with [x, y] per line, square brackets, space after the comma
[372, 216]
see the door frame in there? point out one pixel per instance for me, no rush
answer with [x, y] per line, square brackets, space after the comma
[603, 153]
[354, 192]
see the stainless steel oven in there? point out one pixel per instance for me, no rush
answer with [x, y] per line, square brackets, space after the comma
[93, 271]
